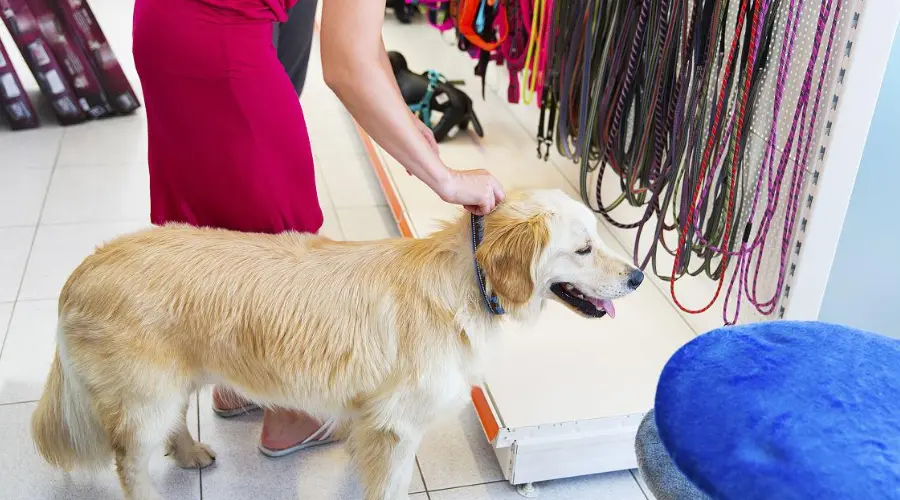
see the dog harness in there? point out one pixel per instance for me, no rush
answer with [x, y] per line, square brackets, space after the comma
[422, 109]
[490, 300]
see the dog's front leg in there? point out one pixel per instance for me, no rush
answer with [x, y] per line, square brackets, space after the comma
[385, 459]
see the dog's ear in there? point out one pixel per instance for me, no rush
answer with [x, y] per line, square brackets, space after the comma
[508, 252]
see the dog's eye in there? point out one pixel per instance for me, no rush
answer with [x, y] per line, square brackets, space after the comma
[584, 251]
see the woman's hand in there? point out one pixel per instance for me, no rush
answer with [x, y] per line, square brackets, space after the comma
[476, 190]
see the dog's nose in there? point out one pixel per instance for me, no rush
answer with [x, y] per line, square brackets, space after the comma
[635, 278]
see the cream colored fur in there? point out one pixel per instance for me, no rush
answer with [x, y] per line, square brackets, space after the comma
[386, 335]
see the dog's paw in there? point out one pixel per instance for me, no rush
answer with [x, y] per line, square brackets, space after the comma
[197, 456]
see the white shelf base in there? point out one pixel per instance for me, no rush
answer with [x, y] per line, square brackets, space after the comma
[570, 449]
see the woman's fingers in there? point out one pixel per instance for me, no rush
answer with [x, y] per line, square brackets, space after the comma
[476, 190]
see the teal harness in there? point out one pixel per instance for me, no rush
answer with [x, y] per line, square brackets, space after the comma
[422, 109]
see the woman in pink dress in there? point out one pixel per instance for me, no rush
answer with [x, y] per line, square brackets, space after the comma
[228, 145]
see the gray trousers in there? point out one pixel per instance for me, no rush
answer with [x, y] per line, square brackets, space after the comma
[293, 41]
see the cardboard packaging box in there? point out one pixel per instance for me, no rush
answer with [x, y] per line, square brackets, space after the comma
[41, 61]
[14, 102]
[77, 67]
[78, 17]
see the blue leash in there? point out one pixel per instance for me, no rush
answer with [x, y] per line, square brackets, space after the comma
[491, 301]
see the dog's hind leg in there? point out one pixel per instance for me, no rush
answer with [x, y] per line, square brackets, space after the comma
[186, 452]
[131, 466]
[135, 433]
[385, 459]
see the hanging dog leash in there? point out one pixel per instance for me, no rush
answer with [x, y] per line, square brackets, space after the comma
[533, 52]
[687, 230]
[514, 48]
[799, 158]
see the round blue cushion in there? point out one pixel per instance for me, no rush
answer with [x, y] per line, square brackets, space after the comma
[785, 410]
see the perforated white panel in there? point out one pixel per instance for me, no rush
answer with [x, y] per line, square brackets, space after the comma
[762, 122]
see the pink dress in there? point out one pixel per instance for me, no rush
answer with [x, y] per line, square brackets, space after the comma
[228, 145]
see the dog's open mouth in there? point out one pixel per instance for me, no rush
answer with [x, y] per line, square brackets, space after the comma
[583, 303]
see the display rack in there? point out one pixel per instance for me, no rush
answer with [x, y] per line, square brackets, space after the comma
[564, 397]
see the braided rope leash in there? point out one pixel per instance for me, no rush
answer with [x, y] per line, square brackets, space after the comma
[800, 160]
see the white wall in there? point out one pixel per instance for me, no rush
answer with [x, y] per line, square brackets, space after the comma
[864, 286]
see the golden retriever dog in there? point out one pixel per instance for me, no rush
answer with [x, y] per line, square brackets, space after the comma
[384, 335]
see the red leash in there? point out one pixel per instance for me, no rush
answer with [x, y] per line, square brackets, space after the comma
[693, 212]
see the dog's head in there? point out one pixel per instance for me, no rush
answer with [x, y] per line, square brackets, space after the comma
[544, 244]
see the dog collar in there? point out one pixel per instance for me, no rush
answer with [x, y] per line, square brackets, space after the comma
[490, 300]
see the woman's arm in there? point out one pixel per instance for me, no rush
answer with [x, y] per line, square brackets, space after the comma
[357, 69]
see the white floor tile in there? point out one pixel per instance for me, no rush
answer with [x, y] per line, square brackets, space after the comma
[352, 188]
[115, 142]
[240, 471]
[36, 148]
[6, 309]
[343, 154]
[322, 189]
[25, 476]
[98, 194]
[417, 484]
[16, 244]
[332, 133]
[57, 251]
[318, 101]
[342, 163]
[22, 192]
[456, 453]
[612, 486]
[367, 224]
[331, 227]
[642, 484]
[28, 351]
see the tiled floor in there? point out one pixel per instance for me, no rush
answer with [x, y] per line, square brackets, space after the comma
[62, 191]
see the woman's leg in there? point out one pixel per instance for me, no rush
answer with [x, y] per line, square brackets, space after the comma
[286, 430]
[282, 429]
[293, 40]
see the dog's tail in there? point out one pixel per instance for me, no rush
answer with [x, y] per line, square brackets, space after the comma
[64, 427]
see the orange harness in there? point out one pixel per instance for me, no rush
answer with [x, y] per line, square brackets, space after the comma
[466, 13]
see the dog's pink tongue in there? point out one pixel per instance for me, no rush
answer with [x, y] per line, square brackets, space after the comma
[606, 305]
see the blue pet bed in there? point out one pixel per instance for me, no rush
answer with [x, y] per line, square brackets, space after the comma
[784, 410]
